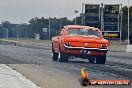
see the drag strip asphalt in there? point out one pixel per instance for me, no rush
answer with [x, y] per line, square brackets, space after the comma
[35, 62]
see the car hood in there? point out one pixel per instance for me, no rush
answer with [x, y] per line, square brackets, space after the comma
[89, 39]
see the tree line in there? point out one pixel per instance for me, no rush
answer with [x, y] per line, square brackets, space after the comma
[36, 26]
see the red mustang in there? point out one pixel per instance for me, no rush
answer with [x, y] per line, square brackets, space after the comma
[82, 42]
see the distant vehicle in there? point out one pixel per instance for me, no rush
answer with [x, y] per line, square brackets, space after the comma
[80, 42]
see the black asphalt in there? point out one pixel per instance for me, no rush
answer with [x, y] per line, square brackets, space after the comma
[41, 55]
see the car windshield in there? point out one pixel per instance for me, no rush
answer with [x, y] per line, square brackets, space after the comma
[82, 31]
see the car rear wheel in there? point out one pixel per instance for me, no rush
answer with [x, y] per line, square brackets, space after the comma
[101, 59]
[63, 57]
[54, 55]
[91, 59]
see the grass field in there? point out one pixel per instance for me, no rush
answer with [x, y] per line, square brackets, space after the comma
[30, 41]
[118, 46]
[114, 45]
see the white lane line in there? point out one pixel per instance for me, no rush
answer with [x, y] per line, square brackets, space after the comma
[10, 78]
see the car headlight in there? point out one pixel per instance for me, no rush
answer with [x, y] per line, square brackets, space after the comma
[68, 44]
[104, 45]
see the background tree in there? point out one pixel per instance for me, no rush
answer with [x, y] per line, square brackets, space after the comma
[36, 25]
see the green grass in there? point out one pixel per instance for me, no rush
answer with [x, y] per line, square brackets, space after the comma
[31, 41]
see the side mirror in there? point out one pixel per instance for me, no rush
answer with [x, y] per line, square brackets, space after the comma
[61, 33]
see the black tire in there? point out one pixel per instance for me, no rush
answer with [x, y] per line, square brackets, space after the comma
[54, 55]
[101, 59]
[63, 57]
[91, 60]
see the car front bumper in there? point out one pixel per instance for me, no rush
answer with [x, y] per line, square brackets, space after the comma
[85, 48]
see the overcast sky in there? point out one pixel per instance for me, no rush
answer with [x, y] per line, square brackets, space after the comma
[21, 11]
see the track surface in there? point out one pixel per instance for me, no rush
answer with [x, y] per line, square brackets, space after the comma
[35, 62]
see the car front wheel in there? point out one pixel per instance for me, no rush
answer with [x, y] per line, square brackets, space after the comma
[63, 57]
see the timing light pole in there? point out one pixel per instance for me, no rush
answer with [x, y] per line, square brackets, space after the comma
[17, 32]
[83, 14]
[76, 17]
[6, 33]
[49, 28]
[128, 23]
